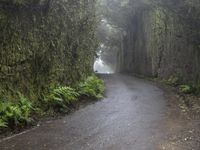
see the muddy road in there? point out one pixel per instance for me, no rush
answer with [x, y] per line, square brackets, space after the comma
[130, 117]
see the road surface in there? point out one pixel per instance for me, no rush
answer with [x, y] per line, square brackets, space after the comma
[130, 117]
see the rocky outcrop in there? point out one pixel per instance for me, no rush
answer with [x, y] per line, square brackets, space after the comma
[158, 44]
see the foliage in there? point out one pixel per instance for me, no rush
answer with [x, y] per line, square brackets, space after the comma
[61, 98]
[187, 12]
[173, 81]
[15, 114]
[26, 107]
[186, 89]
[45, 42]
[92, 87]
[2, 124]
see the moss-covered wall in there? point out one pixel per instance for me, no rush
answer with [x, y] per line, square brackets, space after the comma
[160, 44]
[45, 42]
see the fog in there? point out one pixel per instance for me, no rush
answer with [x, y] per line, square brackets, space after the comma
[117, 17]
[101, 67]
[111, 25]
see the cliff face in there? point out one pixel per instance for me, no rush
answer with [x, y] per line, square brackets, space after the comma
[44, 44]
[158, 44]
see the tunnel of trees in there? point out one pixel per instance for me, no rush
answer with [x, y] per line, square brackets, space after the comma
[46, 43]
[156, 38]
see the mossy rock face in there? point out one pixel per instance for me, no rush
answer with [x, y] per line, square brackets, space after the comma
[163, 41]
[45, 43]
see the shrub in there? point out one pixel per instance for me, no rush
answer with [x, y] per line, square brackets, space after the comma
[186, 89]
[15, 114]
[92, 87]
[173, 81]
[3, 124]
[61, 98]
[26, 107]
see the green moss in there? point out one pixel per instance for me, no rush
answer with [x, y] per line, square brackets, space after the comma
[51, 45]
[43, 45]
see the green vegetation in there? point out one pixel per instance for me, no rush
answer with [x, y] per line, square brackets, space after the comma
[61, 98]
[172, 81]
[183, 88]
[2, 124]
[46, 48]
[17, 113]
[160, 38]
[44, 43]
[92, 87]
[186, 89]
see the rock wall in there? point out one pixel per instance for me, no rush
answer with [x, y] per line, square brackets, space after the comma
[45, 43]
[157, 44]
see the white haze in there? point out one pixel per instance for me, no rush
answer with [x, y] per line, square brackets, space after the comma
[102, 67]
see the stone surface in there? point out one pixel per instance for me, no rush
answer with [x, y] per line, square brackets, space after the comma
[158, 45]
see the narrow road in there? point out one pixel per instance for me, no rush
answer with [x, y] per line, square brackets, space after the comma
[129, 118]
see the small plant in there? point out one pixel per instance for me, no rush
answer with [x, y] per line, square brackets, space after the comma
[61, 98]
[26, 107]
[15, 114]
[173, 81]
[10, 114]
[186, 89]
[3, 124]
[92, 87]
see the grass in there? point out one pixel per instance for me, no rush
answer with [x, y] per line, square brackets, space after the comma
[182, 88]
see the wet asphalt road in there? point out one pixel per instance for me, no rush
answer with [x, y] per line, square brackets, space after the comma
[129, 118]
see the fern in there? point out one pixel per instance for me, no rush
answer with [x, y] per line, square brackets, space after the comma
[61, 98]
[68, 94]
[186, 89]
[26, 107]
[92, 87]
[15, 114]
[3, 124]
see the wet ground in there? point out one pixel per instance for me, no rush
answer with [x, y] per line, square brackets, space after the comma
[131, 117]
